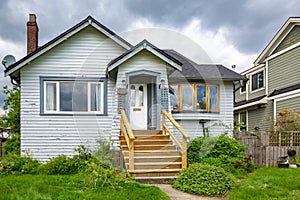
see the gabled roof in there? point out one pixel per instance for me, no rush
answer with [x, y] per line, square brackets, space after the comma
[277, 39]
[138, 48]
[192, 70]
[89, 21]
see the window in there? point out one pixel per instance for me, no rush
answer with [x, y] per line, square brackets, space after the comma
[194, 97]
[243, 121]
[73, 97]
[243, 88]
[257, 81]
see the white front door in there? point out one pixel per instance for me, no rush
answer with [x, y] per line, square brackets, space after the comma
[138, 106]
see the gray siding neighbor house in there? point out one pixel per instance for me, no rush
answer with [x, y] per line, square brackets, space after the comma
[74, 86]
[273, 83]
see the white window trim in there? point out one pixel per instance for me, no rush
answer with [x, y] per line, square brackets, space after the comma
[57, 111]
[239, 119]
[255, 72]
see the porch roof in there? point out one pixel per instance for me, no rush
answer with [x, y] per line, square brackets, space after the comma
[139, 47]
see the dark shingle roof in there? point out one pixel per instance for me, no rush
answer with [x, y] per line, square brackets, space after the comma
[192, 70]
[284, 90]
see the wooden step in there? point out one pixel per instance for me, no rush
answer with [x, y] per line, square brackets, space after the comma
[147, 132]
[151, 147]
[154, 172]
[157, 165]
[151, 158]
[153, 153]
[148, 142]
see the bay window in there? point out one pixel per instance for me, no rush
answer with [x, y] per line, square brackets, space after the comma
[194, 97]
[73, 96]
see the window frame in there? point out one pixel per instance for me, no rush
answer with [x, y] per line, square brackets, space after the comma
[194, 97]
[246, 120]
[89, 81]
[264, 80]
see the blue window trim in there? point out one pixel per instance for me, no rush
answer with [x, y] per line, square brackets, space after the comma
[57, 78]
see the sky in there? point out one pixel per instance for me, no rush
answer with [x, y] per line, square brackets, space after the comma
[228, 32]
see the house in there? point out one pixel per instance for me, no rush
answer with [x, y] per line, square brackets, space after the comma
[273, 83]
[75, 88]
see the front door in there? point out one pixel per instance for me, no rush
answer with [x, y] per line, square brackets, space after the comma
[138, 106]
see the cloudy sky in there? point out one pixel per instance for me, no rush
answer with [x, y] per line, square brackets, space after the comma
[230, 32]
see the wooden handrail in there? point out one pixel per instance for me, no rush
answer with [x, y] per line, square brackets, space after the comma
[129, 138]
[185, 136]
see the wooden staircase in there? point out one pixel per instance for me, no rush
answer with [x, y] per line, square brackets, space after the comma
[155, 156]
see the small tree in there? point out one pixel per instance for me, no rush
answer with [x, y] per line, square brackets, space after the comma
[12, 119]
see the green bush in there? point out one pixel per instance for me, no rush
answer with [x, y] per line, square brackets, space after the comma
[104, 153]
[12, 145]
[63, 165]
[205, 179]
[14, 164]
[222, 151]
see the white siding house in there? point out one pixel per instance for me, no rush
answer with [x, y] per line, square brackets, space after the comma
[69, 90]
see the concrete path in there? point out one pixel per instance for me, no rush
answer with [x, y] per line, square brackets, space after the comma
[179, 195]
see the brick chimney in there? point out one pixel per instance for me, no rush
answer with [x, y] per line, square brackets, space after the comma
[32, 34]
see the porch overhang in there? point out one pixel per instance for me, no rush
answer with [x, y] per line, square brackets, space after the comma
[253, 102]
[144, 45]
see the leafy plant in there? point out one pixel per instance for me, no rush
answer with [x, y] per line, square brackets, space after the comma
[287, 120]
[104, 153]
[205, 179]
[12, 145]
[63, 165]
[14, 164]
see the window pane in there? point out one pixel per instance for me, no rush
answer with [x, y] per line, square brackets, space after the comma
[213, 98]
[261, 79]
[174, 97]
[187, 97]
[73, 96]
[51, 96]
[132, 95]
[254, 82]
[96, 97]
[243, 120]
[201, 97]
[141, 95]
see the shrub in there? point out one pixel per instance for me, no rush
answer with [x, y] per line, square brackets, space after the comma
[222, 151]
[205, 179]
[14, 164]
[104, 153]
[12, 145]
[63, 165]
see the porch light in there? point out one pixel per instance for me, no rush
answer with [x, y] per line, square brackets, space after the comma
[124, 84]
[162, 83]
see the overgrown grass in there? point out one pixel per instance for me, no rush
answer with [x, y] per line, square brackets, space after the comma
[70, 187]
[269, 183]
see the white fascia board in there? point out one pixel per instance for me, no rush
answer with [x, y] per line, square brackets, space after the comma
[31, 58]
[110, 36]
[140, 48]
[283, 51]
[262, 101]
[287, 95]
[256, 68]
[178, 67]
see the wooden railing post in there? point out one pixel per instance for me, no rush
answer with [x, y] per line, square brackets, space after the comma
[184, 153]
[131, 155]
[163, 123]
[185, 136]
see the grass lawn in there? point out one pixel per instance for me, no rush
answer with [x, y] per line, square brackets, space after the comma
[269, 183]
[70, 187]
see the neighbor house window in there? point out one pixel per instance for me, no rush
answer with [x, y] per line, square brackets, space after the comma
[243, 121]
[243, 88]
[73, 97]
[257, 80]
[194, 97]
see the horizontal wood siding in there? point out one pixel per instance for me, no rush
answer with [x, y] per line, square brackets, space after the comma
[238, 95]
[86, 54]
[218, 122]
[261, 117]
[257, 93]
[284, 70]
[292, 38]
[293, 104]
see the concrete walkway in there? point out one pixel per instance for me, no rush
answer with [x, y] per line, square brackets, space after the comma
[179, 195]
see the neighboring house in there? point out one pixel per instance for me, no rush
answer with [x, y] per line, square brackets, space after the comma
[73, 87]
[273, 83]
